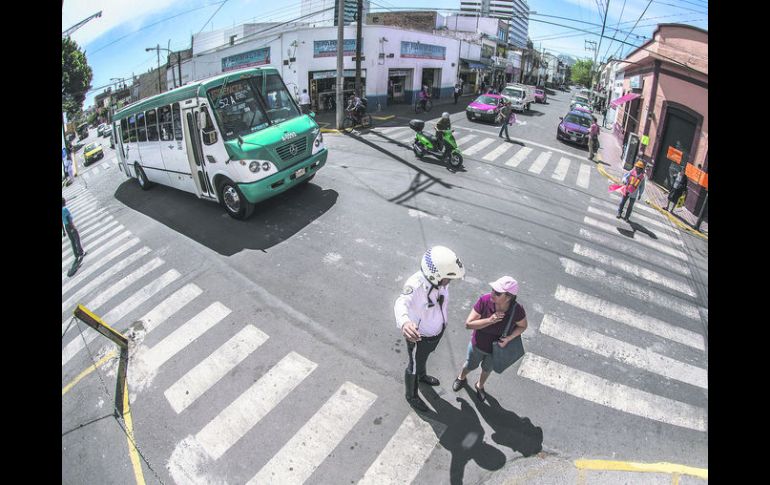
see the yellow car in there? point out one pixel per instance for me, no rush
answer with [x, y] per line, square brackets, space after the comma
[93, 151]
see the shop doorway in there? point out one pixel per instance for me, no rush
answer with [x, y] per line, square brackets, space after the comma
[398, 81]
[678, 134]
[432, 79]
[631, 118]
[323, 88]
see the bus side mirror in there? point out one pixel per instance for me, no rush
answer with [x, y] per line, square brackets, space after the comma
[201, 120]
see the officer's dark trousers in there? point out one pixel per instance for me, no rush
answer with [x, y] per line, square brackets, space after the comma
[418, 357]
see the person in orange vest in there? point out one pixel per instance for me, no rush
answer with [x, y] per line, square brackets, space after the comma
[633, 187]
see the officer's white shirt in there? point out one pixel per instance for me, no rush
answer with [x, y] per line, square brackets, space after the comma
[413, 305]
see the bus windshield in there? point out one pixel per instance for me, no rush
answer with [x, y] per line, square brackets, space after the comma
[242, 107]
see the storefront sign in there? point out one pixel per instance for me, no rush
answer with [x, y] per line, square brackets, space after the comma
[674, 155]
[645, 140]
[328, 48]
[329, 74]
[394, 73]
[256, 57]
[697, 175]
[417, 50]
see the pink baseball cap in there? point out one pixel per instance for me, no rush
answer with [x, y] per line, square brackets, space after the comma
[506, 284]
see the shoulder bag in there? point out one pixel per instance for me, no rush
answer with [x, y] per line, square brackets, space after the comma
[504, 357]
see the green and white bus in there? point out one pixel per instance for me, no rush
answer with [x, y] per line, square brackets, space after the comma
[237, 139]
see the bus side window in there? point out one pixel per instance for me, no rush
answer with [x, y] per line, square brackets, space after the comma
[141, 130]
[166, 126]
[177, 122]
[124, 130]
[152, 127]
[209, 133]
[132, 128]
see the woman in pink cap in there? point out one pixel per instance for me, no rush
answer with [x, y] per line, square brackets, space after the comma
[488, 320]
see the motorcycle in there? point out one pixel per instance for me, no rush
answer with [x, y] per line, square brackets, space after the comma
[425, 144]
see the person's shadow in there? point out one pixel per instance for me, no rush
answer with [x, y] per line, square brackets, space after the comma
[463, 436]
[517, 433]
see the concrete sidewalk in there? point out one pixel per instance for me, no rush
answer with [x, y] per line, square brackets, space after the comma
[610, 163]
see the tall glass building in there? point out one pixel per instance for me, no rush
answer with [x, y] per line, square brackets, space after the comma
[515, 11]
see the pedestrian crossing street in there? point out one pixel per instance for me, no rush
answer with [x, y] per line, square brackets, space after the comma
[490, 148]
[121, 277]
[115, 264]
[608, 262]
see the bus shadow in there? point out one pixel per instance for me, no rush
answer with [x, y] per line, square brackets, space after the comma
[273, 221]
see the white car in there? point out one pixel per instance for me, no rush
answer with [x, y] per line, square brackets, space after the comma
[100, 129]
[520, 96]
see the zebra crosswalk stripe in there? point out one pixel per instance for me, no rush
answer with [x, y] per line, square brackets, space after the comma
[123, 283]
[612, 229]
[518, 157]
[664, 236]
[97, 242]
[497, 152]
[609, 211]
[405, 454]
[584, 175]
[623, 352]
[307, 449]
[478, 147]
[464, 140]
[211, 369]
[628, 317]
[249, 408]
[540, 162]
[611, 394]
[633, 269]
[96, 264]
[560, 173]
[170, 306]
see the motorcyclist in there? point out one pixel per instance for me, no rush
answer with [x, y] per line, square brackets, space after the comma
[443, 125]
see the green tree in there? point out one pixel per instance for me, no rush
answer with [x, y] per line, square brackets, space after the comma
[581, 72]
[76, 77]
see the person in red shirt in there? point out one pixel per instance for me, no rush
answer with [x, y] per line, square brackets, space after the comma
[488, 320]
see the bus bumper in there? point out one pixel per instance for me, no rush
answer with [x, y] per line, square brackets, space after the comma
[284, 180]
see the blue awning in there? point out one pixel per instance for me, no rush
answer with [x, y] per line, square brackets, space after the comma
[474, 64]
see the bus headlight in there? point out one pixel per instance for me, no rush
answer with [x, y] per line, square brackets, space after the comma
[254, 167]
[318, 144]
[265, 166]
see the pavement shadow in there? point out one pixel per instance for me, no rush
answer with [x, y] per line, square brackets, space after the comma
[636, 227]
[273, 221]
[463, 435]
[512, 431]
[402, 160]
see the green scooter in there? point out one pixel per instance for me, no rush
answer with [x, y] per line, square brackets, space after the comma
[425, 144]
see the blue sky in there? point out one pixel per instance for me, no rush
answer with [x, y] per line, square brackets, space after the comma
[115, 43]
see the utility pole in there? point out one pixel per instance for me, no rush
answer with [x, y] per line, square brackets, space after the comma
[359, 12]
[340, 52]
[596, 52]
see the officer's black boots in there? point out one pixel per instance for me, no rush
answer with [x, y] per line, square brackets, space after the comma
[412, 398]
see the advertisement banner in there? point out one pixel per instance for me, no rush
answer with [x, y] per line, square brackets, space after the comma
[257, 57]
[417, 50]
[674, 155]
[328, 48]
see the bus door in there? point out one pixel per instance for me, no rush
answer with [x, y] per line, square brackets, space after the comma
[196, 157]
[117, 136]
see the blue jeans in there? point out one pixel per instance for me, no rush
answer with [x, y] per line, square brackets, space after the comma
[504, 128]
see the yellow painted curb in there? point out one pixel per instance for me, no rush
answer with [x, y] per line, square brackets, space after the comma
[330, 130]
[627, 466]
[384, 118]
[90, 369]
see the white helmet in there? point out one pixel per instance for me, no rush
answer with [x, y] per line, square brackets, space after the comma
[445, 115]
[440, 262]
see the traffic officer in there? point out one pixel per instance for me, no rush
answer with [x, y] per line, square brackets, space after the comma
[421, 314]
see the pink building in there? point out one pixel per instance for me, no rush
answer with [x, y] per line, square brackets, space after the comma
[665, 98]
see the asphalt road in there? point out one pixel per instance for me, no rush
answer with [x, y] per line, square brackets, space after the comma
[615, 343]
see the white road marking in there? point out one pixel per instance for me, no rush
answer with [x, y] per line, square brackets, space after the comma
[661, 236]
[478, 147]
[170, 306]
[68, 283]
[183, 336]
[86, 230]
[611, 394]
[653, 218]
[497, 152]
[98, 281]
[560, 173]
[645, 241]
[307, 449]
[465, 139]
[619, 245]
[623, 352]
[518, 157]
[405, 454]
[584, 175]
[67, 262]
[618, 283]
[214, 367]
[540, 162]
[123, 283]
[629, 317]
[633, 269]
[249, 408]
[88, 240]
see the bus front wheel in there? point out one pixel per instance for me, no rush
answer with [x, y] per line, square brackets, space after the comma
[234, 202]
